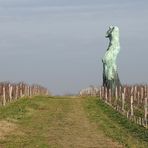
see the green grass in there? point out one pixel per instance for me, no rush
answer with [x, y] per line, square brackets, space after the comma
[115, 125]
[33, 118]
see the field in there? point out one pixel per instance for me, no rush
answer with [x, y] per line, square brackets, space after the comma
[57, 122]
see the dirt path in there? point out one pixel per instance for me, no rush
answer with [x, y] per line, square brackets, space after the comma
[76, 131]
[59, 122]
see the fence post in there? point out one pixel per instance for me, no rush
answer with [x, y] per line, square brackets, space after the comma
[10, 92]
[142, 94]
[106, 94]
[132, 111]
[116, 97]
[135, 92]
[30, 91]
[127, 114]
[120, 92]
[100, 92]
[123, 101]
[27, 91]
[145, 111]
[21, 92]
[110, 97]
[4, 96]
[16, 93]
[138, 96]
[103, 92]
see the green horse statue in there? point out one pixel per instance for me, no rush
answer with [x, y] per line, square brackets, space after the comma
[110, 75]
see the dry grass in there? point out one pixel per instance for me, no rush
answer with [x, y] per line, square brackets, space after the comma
[50, 122]
[76, 130]
[6, 128]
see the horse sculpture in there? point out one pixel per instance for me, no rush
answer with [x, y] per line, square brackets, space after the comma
[110, 75]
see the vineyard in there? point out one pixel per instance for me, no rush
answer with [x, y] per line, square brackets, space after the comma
[131, 101]
[10, 91]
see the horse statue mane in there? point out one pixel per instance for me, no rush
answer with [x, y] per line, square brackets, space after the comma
[110, 75]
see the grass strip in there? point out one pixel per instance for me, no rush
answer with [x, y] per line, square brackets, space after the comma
[115, 125]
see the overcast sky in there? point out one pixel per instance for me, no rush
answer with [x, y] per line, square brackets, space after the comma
[59, 43]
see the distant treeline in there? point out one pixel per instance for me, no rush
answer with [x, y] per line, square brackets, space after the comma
[11, 91]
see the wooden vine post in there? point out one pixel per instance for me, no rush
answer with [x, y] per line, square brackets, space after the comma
[4, 96]
[146, 106]
[106, 94]
[145, 111]
[142, 96]
[116, 97]
[21, 91]
[123, 101]
[100, 93]
[10, 92]
[16, 92]
[110, 97]
[132, 110]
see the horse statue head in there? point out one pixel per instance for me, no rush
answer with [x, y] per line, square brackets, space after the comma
[112, 33]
